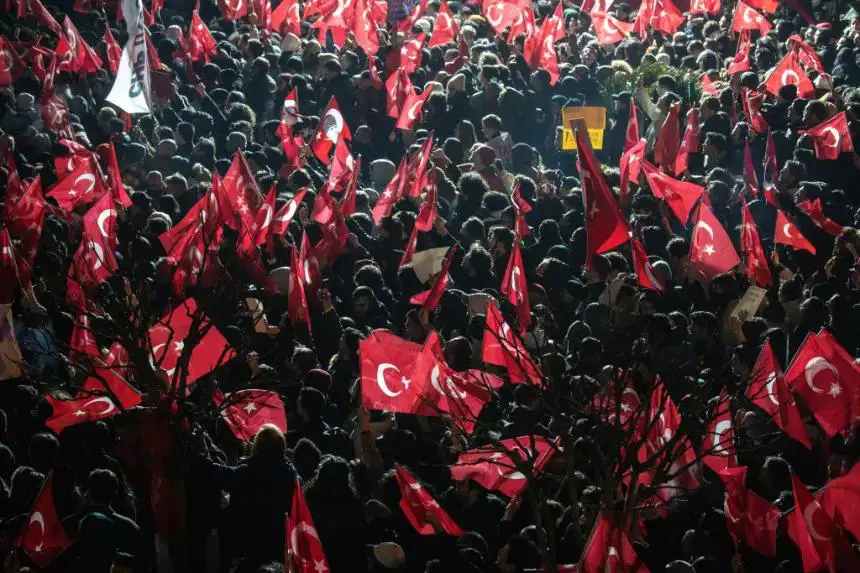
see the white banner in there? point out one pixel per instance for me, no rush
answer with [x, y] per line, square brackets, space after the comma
[131, 91]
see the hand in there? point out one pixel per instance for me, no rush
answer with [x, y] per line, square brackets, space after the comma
[201, 89]
[439, 225]
[352, 240]
[325, 299]
[273, 330]
[512, 508]
[363, 420]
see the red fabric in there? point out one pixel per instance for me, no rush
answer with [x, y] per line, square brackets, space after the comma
[497, 467]
[806, 53]
[832, 137]
[750, 518]
[825, 379]
[43, 538]
[304, 548]
[419, 507]
[789, 72]
[167, 341]
[515, 287]
[747, 18]
[387, 363]
[719, 444]
[605, 225]
[12, 65]
[609, 29]
[201, 43]
[711, 249]
[741, 61]
[503, 348]
[8, 268]
[332, 128]
[609, 549]
[398, 89]
[430, 298]
[690, 143]
[445, 28]
[412, 52]
[239, 195]
[297, 299]
[755, 259]
[412, 110]
[429, 207]
[286, 18]
[787, 233]
[668, 139]
[233, 9]
[815, 211]
[711, 7]
[768, 391]
[680, 196]
[645, 275]
[246, 411]
[79, 410]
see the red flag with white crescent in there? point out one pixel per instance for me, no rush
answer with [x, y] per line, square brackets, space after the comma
[787, 233]
[304, 548]
[418, 505]
[43, 538]
[831, 138]
[515, 287]
[497, 467]
[332, 128]
[789, 72]
[767, 390]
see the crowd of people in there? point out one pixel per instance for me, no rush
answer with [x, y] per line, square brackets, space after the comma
[608, 225]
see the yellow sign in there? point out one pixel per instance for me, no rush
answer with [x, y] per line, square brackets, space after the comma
[595, 121]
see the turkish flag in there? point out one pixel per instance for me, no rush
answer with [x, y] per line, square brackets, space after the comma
[239, 195]
[630, 166]
[428, 211]
[304, 549]
[789, 72]
[24, 211]
[348, 203]
[815, 211]
[787, 233]
[768, 6]
[805, 53]
[521, 208]
[398, 89]
[824, 377]
[666, 17]
[515, 287]
[286, 18]
[741, 61]
[609, 29]
[9, 267]
[332, 128]
[79, 410]
[768, 391]
[205, 212]
[365, 29]
[609, 549]
[297, 299]
[445, 28]
[645, 275]
[281, 220]
[201, 43]
[668, 139]
[497, 467]
[442, 390]
[840, 496]
[690, 143]
[771, 166]
[12, 65]
[542, 54]
[167, 342]
[40, 13]
[661, 424]
[412, 110]
[78, 155]
[751, 101]
[409, 249]
[711, 250]
[430, 298]
[750, 518]
[391, 194]
[631, 136]
[755, 259]
[334, 237]
[747, 18]
[720, 452]
[43, 538]
[113, 180]
[711, 7]
[309, 264]
[387, 363]
[816, 535]
[524, 25]
[502, 347]
[414, 182]
[95, 260]
[412, 52]
[501, 15]
[681, 196]
[246, 411]
[832, 137]
[233, 9]
[81, 186]
[617, 403]
[605, 226]
[419, 507]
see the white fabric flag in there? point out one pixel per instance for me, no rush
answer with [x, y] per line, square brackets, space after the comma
[131, 91]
